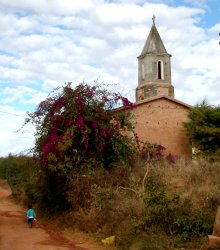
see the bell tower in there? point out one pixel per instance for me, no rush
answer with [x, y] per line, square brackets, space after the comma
[154, 68]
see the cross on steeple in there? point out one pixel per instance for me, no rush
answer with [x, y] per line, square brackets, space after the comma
[153, 18]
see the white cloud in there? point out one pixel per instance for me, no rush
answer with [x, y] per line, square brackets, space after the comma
[123, 14]
[11, 25]
[46, 6]
[21, 95]
[216, 28]
[13, 141]
[45, 44]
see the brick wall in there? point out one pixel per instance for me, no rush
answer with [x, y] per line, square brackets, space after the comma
[161, 121]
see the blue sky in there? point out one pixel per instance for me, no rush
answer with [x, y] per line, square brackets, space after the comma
[44, 44]
[211, 7]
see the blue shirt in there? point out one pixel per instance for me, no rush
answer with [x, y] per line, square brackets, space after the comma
[31, 213]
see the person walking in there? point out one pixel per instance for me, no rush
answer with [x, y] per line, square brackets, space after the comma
[31, 216]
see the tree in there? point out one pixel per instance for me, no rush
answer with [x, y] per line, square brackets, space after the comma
[203, 129]
[78, 128]
[77, 131]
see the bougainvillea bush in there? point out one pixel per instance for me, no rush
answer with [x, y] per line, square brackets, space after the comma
[79, 128]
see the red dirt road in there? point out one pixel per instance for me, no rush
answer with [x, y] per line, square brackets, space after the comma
[16, 235]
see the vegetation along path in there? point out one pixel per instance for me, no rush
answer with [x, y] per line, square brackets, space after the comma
[16, 235]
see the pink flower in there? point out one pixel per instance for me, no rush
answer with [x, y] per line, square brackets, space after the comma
[160, 147]
[94, 124]
[68, 122]
[90, 93]
[80, 121]
[38, 113]
[68, 136]
[122, 173]
[58, 104]
[126, 102]
[136, 136]
[47, 148]
[104, 132]
[157, 154]
[117, 97]
[105, 99]
[54, 138]
[111, 133]
[79, 101]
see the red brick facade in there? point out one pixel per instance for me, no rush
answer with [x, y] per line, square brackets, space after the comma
[160, 120]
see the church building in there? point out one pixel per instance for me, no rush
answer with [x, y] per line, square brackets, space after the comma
[158, 115]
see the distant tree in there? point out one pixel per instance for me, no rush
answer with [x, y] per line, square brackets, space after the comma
[203, 129]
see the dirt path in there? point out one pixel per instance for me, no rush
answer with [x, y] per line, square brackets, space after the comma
[16, 235]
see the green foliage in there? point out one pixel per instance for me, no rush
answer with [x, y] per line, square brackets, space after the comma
[192, 225]
[203, 129]
[31, 185]
[52, 193]
[22, 175]
[3, 166]
[172, 214]
[159, 207]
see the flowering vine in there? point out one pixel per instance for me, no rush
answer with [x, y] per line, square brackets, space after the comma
[77, 128]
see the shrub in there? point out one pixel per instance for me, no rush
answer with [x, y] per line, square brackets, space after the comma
[172, 214]
[3, 167]
[22, 176]
[203, 130]
[76, 129]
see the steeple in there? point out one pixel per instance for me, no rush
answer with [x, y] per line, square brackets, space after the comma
[153, 43]
[154, 68]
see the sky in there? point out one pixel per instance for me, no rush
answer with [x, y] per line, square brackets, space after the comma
[46, 43]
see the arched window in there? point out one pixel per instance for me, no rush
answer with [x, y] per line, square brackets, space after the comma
[160, 72]
[142, 71]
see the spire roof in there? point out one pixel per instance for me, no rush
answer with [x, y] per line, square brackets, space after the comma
[154, 42]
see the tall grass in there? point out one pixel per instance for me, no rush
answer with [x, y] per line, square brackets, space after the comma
[152, 205]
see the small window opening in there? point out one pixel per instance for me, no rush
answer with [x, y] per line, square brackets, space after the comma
[160, 73]
[142, 71]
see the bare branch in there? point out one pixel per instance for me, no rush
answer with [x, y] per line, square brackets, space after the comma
[131, 189]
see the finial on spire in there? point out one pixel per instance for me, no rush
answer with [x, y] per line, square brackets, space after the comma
[153, 18]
